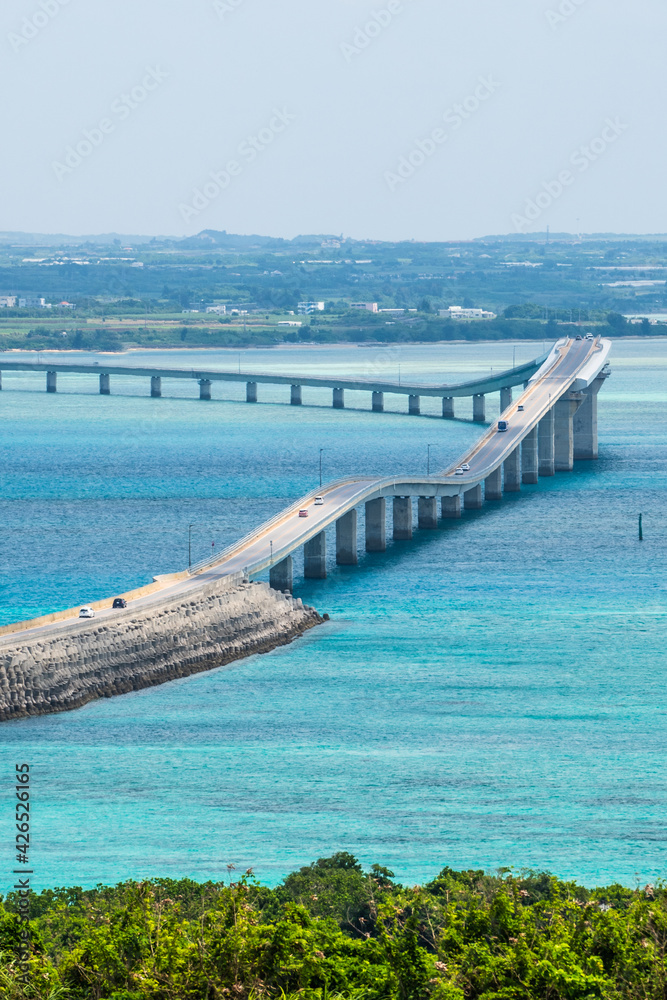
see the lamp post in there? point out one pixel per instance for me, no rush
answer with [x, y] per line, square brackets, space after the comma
[321, 450]
[271, 558]
[190, 527]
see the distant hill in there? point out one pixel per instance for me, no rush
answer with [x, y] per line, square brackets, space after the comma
[571, 237]
[60, 239]
[212, 238]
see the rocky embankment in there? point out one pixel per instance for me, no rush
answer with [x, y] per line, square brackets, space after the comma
[73, 663]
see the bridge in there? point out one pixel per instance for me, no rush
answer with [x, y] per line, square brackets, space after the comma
[552, 424]
[503, 382]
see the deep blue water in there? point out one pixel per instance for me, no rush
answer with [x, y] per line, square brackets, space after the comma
[491, 693]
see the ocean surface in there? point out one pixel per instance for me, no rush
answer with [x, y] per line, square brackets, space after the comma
[490, 694]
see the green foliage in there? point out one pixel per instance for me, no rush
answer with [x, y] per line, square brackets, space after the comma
[617, 322]
[332, 931]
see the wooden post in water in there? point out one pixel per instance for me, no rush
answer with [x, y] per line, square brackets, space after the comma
[641, 529]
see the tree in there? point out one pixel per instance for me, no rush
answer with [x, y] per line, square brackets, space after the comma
[617, 322]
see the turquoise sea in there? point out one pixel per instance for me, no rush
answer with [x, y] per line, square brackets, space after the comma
[492, 693]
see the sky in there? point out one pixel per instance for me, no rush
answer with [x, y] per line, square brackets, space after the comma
[388, 120]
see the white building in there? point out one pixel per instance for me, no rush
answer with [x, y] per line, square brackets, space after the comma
[458, 312]
[653, 318]
[220, 310]
[371, 307]
[7, 301]
[32, 303]
[306, 308]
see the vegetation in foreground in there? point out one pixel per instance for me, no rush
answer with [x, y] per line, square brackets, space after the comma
[331, 930]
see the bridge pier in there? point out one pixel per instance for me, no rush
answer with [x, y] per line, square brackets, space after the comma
[512, 468]
[295, 396]
[565, 409]
[156, 386]
[479, 408]
[315, 558]
[51, 381]
[346, 539]
[402, 519]
[451, 506]
[505, 397]
[493, 485]
[378, 402]
[281, 576]
[472, 499]
[529, 459]
[427, 512]
[586, 424]
[545, 444]
[204, 388]
[251, 392]
[339, 399]
[376, 525]
[105, 385]
[448, 407]
[414, 405]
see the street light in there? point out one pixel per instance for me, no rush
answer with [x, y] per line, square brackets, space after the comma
[190, 527]
[271, 560]
[321, 450]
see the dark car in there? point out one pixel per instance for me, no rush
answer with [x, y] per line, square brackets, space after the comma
[119, 602]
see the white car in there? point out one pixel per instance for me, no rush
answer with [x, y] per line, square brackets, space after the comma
[86, 613]
[459, 472]
[465, 467]
[319, 501]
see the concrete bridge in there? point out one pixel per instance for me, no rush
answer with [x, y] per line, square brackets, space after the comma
[552, 424]
[503, 383]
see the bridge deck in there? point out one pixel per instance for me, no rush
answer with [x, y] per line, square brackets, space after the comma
[571, 365]
[490, 383]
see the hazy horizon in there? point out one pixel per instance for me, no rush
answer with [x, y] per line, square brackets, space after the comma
[394, 120]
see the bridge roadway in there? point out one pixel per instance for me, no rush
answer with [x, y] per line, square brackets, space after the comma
[478, 388]
[571, 368]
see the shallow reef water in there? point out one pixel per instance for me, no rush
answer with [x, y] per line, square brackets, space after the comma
[491, 693]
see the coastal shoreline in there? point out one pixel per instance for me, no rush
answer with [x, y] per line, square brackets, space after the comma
[42, 676]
